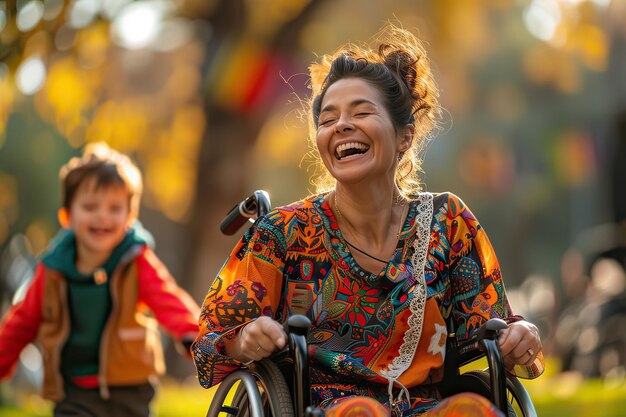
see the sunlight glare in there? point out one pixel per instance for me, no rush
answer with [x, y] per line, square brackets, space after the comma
[29, 15]
[138, 24]
[83, 13]
[542, 17]
[30, 75]
[599, 3]
[110, 8]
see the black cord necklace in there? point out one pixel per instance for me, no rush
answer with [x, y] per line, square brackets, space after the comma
[357, 248]
[363, 252]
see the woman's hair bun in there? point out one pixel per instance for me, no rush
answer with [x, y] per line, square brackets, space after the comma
[402, 63]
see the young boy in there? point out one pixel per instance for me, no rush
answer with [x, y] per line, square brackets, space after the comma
[92, 303]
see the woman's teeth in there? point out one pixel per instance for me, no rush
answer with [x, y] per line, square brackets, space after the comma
[350, 148]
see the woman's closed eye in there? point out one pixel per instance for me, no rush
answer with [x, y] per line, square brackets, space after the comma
[361, 114]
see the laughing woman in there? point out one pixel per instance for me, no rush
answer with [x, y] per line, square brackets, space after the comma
[377, 264]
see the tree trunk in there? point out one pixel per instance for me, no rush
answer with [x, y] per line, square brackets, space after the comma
[226, 152]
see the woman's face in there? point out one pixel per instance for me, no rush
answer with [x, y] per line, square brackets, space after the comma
[356, 138]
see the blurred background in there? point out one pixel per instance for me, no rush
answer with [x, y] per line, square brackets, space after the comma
[206, 96]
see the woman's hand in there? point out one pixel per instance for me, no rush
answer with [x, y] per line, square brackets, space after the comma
[260, 338]
[519, 344]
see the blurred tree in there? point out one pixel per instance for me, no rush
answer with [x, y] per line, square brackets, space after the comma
[248, 48]
[92, 78]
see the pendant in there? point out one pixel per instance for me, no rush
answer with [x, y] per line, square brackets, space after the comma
[100, 276]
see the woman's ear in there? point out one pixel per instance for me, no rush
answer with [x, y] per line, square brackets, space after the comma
[407, 137]
[64, 217]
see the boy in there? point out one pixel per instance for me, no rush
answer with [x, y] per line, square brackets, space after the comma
[94, 297]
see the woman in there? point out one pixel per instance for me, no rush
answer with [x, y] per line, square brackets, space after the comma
[376, 264]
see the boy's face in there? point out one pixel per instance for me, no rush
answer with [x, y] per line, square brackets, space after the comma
[99, 216]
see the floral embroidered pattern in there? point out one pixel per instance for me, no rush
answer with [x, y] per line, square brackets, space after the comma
[295, 260]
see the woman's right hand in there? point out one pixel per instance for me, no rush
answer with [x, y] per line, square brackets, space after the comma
[260, 338]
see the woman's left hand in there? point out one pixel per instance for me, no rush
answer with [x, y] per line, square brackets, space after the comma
[519, 344]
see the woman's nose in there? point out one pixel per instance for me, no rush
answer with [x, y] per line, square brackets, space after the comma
[343, 125]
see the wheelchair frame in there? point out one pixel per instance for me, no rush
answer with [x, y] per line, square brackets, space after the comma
[502, 388]
[262, 386]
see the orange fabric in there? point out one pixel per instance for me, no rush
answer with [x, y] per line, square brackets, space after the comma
[460, 405]
[358, 407]
[295, 260]
[464, 405]
[430, 351]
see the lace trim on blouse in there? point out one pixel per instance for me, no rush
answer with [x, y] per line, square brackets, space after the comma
[417, 304]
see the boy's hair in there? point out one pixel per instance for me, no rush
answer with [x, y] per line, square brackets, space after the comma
[107, 167]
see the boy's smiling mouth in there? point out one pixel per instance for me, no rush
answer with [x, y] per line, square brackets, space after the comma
[100, 230]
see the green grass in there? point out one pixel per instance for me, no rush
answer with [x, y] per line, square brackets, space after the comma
[174, 399]
[566, 395]
[183, 400]
[554, 395]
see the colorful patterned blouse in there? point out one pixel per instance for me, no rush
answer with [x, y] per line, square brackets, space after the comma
[368, 331]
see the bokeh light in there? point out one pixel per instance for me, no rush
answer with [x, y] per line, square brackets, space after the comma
[138, 24]
[83, 12]
[29, 16]
[31, 75]
[52, 9]
[542, 18]
[3, 18]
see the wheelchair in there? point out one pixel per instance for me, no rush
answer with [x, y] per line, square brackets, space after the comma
[279, 386]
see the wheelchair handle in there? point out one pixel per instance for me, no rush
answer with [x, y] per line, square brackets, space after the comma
[297, 327]
[298, 324]
[255, 205]
[491, 328]
[485, 339]
[488, 330]
[488, 340]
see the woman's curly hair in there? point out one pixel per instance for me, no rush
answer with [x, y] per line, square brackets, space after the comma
[400, 69]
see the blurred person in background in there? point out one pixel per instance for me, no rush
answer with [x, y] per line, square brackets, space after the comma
[92, 303]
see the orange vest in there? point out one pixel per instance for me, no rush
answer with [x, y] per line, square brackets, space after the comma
[130, 348]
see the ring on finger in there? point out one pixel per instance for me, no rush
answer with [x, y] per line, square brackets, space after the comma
[258, 348]
[530, 352]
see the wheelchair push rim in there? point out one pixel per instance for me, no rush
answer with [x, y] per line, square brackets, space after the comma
[260, 391]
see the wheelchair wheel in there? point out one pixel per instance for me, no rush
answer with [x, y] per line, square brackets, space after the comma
[259, 391]
[519, 403]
